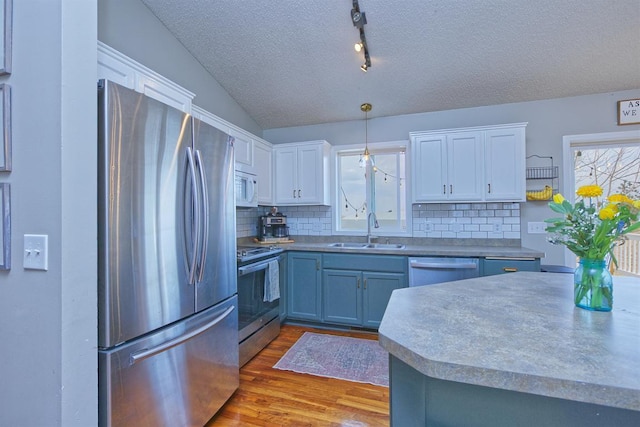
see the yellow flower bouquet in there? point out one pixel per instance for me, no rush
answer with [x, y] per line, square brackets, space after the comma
[590, 232]
[591, 229]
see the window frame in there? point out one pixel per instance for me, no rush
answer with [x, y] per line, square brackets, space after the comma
[336, 194]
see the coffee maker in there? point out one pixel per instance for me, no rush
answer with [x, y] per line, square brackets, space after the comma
[273, 227]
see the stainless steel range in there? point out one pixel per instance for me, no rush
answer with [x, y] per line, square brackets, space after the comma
[259, 276]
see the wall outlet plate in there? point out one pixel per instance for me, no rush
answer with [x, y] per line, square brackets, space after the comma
[536, 227]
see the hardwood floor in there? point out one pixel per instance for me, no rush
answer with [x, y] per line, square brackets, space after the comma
[272, 397]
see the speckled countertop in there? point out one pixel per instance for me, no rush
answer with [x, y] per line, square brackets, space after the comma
[521, 332]
[419, 247]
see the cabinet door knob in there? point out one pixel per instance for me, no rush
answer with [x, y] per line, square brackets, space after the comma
[365, 283]
[299, 194]
[489, 185]
[357, 283]
[444, 189]
[294, 194]
[509, 269]
[451, 189]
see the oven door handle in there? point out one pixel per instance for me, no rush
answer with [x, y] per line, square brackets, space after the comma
[252, 268]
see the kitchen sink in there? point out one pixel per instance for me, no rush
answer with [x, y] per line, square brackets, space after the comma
[383, 246]
[349, 245]
[366, 245]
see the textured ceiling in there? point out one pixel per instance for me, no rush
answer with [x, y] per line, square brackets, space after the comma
[292, 62]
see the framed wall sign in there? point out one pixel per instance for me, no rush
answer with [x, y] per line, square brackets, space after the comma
[629, 112]
[5, 226]
[5, 32]
[5, 128]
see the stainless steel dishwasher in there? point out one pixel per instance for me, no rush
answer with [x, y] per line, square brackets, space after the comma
[432, 270]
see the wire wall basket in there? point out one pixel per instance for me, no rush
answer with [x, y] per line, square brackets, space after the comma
[543, 172]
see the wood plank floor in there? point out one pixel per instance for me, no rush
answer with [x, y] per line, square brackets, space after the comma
[272, 397]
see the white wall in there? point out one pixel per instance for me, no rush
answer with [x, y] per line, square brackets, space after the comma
[48, 318]
[129, 27]
[549, 121]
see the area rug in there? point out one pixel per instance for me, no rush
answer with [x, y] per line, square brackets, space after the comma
[333, 356]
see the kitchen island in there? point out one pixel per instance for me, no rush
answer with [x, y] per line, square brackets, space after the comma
[511, 350]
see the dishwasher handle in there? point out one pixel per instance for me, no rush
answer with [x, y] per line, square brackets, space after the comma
[443, 265]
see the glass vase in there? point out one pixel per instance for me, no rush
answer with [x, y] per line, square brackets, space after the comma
[593, 285]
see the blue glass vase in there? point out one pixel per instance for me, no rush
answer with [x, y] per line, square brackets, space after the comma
[593, 285]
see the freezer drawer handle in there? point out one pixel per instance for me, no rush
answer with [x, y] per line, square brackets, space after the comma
[149, 352]
[442, 265]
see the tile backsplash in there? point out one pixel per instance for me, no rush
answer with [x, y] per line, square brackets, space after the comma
[467, 220]
[302, 220]
[433, 220]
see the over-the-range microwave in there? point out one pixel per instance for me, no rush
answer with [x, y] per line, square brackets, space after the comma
[246, 190]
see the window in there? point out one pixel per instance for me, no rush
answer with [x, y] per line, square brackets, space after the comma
[615, 168]
[381, 190]
[612, 161]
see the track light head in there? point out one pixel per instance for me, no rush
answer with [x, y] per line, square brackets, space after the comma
[358, 18]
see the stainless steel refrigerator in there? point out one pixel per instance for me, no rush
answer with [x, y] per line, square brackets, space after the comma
[167, 287]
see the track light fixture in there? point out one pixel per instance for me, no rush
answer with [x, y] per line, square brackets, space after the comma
[359, 19]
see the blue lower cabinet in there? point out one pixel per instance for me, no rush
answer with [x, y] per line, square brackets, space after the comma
[342, 296]
[356, 295]
[418, 400]
[304, 286]
[376, 290]
[342, 289]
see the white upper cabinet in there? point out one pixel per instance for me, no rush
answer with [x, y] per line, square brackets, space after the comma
[263, 167]
[243, 150]
[114, 66]
[447, 167]
[207, 117]
[505, 166]
[301, 173]
[464, 166]
[469, 164]
[255, 155]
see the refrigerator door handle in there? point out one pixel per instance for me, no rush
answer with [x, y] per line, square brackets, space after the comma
[205, 213]
[194, 207]
[139, 356]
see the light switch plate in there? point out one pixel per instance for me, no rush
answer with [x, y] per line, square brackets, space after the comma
[36, 256]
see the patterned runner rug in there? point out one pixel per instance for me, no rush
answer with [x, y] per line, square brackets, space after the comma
[333, 356]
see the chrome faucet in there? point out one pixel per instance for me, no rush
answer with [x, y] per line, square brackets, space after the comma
[375, 225]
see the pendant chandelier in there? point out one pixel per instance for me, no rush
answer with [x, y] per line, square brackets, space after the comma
[366, 158]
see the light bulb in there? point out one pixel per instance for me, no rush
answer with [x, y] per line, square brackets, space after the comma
[358, 47]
